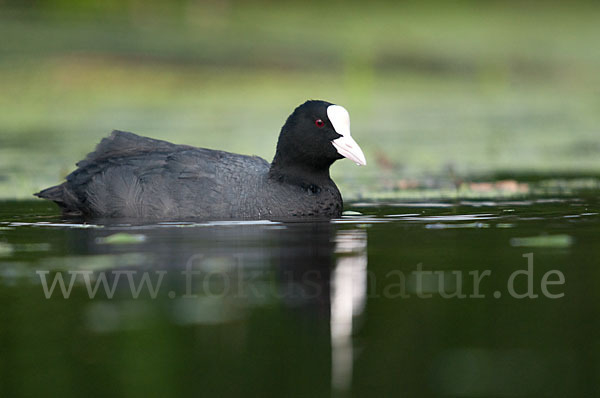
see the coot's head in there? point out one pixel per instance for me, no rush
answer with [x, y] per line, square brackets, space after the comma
[314, 136]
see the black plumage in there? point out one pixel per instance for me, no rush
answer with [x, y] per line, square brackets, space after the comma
[129, 176]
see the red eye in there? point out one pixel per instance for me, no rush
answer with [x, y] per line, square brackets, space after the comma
[319, 123]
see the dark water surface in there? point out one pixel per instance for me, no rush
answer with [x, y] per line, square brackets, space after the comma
[382, 302]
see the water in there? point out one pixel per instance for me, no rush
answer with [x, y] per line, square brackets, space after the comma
[418, 299]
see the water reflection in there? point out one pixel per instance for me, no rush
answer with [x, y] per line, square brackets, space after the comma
[349, 283]
[222, 274]
[280, 307]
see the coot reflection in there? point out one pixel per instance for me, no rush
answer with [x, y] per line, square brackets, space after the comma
[228, 273]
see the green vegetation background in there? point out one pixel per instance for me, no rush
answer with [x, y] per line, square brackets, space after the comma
[435, 90]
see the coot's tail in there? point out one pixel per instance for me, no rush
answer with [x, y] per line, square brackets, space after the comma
[54, 193]
[63, 197]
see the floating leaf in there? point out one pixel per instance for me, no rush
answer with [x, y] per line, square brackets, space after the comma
[454, 226]
[558, 241]
[121, 238]
[505, 225]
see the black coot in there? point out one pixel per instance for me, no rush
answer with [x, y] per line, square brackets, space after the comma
[129, 176]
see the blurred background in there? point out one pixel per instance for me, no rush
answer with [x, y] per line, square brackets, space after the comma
[438, 93]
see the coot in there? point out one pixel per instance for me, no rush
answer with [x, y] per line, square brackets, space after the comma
[129, 176]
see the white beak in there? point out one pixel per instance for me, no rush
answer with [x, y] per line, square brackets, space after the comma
[345, 145]
[348, 148]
